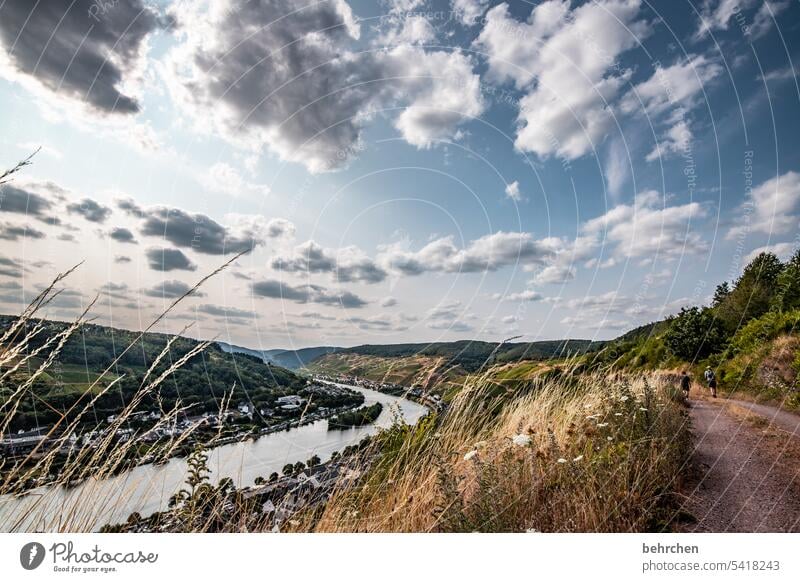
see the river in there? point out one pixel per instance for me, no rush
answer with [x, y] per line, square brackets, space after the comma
[147, 488]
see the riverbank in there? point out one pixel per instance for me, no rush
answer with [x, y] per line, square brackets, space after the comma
[147, 488]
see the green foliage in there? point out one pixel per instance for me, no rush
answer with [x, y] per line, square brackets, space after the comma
[358, 417]
[694, 334]
[787, 295]
[721, 293]
[763, 329]
[752, 293]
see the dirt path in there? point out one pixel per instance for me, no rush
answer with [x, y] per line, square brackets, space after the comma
[746, 468]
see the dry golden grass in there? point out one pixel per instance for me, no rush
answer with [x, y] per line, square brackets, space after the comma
[587, 453]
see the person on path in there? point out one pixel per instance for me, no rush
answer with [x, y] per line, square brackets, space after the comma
[711, 379]
[686, 382]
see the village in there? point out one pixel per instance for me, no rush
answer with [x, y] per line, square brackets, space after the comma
[150, 428]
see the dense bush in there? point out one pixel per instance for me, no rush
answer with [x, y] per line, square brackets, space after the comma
[695, 334]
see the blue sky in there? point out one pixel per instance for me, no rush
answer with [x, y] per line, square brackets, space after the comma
[408, 171]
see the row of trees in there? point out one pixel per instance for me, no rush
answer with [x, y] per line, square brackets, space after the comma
[766, 285]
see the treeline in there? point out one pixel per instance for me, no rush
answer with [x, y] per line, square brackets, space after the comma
[358, 417]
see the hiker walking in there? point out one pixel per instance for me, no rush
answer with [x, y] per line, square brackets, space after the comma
[686, 382]
[711, 380]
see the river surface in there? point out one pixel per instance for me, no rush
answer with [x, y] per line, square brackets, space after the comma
[147, 488]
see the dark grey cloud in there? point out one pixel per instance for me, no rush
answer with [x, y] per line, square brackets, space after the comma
[90, 209]
[11, 292]
[129, 206]
[15, 232]
[21, 200]
[81, 48]
[197, 231]
[122, 259]
[115, 290]
[225, 312]
[10, 267]
[306, 294]
[170, 290]
[69, 298]
[347, 265]
[122, 235]
[377, 322]
[169, 260]
[301, 85]
[66, 237]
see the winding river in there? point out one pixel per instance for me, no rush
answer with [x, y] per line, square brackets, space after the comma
[147, 488]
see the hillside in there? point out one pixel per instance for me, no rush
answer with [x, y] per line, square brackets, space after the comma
[442, 366]
[290, 359]
[202, 383]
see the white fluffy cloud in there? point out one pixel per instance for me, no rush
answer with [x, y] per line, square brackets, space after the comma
[649, 227]
[512, 191]
[286, 75]
[772, 207]
[717, 15]
[565, 60]
[487, 253]
[782, 250]
[469, 11]
[680, 84]
[225, 178]
[677, 139]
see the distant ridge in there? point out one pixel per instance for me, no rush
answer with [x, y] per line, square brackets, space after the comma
[291, 359]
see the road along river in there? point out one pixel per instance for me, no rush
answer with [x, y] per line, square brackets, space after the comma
[147, 488]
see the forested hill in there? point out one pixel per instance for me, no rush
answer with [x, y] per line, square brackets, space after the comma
[202, 382]
[471, 355]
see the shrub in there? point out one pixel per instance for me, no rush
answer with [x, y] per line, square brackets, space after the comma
[694, 334]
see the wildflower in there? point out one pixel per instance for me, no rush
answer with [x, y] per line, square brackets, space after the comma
[643, 409]
[624, 398]
[470, 455]
[609, 438]
[617, 414]
[578, 458]
[602, 424]
[480, 444]
[562, 460]
[521, 440]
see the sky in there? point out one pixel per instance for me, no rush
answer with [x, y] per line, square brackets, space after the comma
[395, 171]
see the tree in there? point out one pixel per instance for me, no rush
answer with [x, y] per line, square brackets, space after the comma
[721, 293]
[752, 293]
[273, 477]
[299, 466]
[259, 481]
[313, 461]
[694, 334]
[787, 287]
[288, 469]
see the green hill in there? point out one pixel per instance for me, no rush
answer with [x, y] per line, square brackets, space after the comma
[201, 383]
